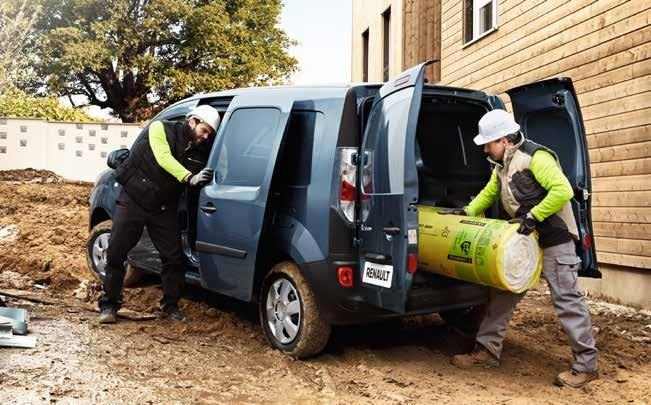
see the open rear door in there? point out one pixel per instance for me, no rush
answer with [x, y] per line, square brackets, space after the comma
[389, 232]
[232, 207]
[549, 114]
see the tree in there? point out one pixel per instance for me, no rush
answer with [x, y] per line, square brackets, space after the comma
[15, 103]
[17, 19]
[137, 56]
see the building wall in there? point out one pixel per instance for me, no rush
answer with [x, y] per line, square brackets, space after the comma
[422, 36]
[367, 14]
[604, 46]
[85, 146]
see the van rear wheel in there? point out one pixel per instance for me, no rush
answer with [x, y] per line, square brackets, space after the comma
[96, 249]
[289, 316]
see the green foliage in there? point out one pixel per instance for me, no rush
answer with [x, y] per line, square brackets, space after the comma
[15, 103]
[137, 56]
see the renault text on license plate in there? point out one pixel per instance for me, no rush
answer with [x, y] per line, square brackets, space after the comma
[377, 274]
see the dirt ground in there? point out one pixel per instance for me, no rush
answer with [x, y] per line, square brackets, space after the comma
[220, 355]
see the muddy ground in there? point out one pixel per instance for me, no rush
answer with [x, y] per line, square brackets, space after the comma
[220, 355]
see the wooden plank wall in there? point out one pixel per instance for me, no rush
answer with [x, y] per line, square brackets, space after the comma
[422, 35]
[604, 46]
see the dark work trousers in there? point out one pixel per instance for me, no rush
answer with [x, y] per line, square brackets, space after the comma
[129, 220]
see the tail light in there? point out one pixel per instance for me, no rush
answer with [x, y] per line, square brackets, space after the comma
[412, 263]
[587, 241]
[348, 185]
[345, 276]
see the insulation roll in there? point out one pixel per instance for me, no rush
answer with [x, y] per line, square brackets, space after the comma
[478, 250]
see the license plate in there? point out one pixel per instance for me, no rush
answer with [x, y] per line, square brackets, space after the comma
[377, 274]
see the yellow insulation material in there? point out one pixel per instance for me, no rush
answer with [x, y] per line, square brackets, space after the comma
[479, 250]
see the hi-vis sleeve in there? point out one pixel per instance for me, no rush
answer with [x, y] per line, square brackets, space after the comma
[163, 153]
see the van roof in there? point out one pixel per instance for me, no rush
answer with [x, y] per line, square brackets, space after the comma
[311, 91]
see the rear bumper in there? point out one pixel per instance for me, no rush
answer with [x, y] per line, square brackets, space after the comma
[339, 305]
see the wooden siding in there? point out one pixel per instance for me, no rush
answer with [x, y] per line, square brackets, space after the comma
[605, 47]
[422, 35]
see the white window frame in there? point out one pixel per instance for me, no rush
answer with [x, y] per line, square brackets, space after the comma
[476, 6]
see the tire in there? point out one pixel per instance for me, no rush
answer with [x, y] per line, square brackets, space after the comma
[302, 332]
[96, 255]
[466, 320]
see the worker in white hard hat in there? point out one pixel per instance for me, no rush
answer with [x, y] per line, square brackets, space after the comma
[533, 190]
[153, 178]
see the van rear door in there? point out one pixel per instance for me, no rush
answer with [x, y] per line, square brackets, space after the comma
[389, 232]
[549, 114]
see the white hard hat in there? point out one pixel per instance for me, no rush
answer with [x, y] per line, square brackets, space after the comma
[207, 114]
[494, 125]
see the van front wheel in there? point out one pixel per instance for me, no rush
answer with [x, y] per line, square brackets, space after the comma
[290, 318]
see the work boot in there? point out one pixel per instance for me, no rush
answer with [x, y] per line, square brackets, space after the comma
[479, 357]
[575, 379]
[107, 315]
[172, 312]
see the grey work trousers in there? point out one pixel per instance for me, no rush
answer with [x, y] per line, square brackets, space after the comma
[560, 267]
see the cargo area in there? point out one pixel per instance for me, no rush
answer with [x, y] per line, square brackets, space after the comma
[451, 168]
[451, 171]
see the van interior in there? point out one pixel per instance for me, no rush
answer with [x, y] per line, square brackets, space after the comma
[451, 168]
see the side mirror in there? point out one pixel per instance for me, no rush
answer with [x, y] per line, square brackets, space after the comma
[116, 158]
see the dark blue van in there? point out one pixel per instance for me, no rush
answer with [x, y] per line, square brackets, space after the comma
[315, 185]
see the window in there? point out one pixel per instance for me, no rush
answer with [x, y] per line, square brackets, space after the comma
[62, 146]
[62, 132]
[3, 149]
[23, 142]
[79, 139]
[385, 143]
[92, 132]
[3, 135]
[23, 128]
[480, 19]
[104, 127]
[244, 153]
[91, 146]
[104, 140]
[79, 153]
[299, 142]
[124, 134]
[386, 30]
[365, 56]
[177, 112]
[102, 154]
[79, 126]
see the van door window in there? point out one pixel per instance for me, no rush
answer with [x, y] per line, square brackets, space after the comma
[385, 144]
[246, 147]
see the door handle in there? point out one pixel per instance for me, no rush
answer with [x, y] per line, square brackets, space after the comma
[208, 208]
[392, 231]
[375, 256]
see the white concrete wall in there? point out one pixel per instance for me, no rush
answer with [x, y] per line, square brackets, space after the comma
[85, 145]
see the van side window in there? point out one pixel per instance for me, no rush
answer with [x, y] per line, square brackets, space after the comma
[296, 159]
[245, 150]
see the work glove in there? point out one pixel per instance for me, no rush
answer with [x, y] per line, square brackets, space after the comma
[527, 224]
[453, 211]
[201, 178]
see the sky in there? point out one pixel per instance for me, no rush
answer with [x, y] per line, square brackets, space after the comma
[323, 29]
